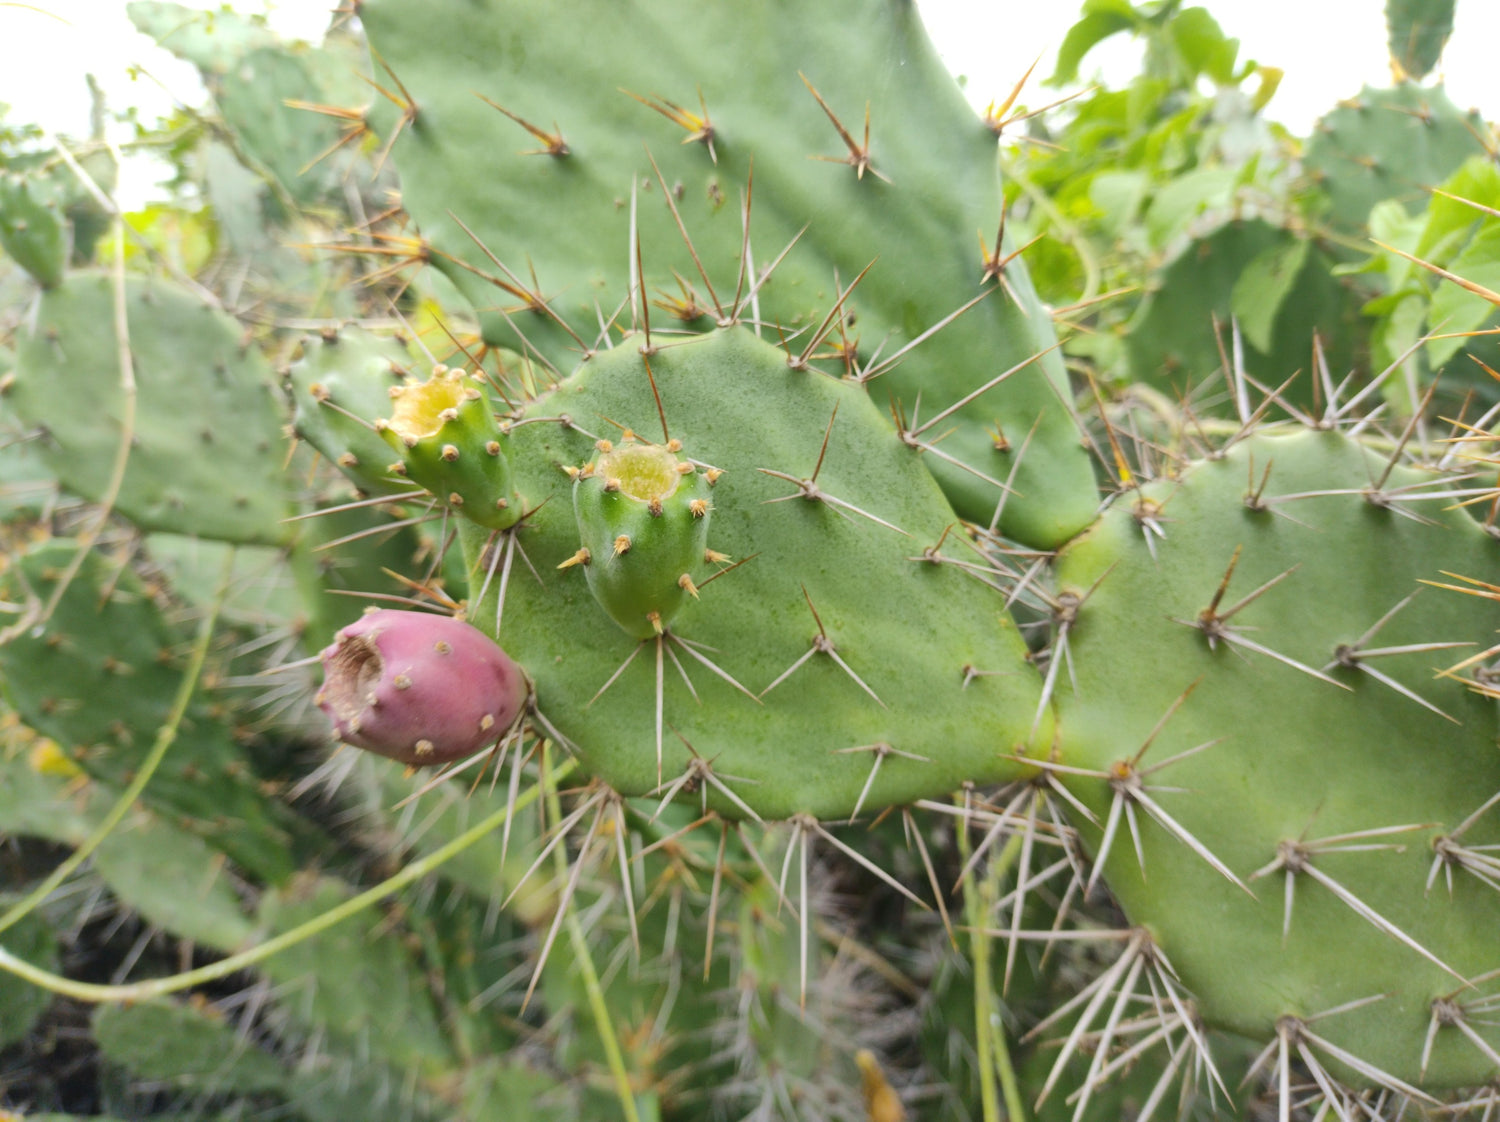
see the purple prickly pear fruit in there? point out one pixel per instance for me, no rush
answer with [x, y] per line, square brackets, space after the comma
[419, 688]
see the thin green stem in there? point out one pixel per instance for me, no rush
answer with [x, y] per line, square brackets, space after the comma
[984, 994]
[989, 1028]
[1010, 1087]
[165, 736]
[156, 987]
[1070, 233]
[585, 964]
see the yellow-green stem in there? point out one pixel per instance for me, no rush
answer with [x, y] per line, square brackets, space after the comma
[979, 952]
[602, 1023]
[989, 1031]
[1070, 233]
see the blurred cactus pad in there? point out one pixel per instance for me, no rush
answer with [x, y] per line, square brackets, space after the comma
[608, 561]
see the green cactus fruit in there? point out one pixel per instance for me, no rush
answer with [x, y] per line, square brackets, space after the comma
[849, 648]
[450, 443]
[204, 439]
[643, 516]
[33, 231]
[337, 388]
[478, 147]
[1276, 764]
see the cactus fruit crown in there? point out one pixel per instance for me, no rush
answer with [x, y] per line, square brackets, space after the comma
[420, 410]
[351, 671]
[647, 472]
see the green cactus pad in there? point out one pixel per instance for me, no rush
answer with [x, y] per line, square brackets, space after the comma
[146, 861]
[1388, 144]
[25, 1004]
[204, 457]
[1417, 31]
[1295, 753]
[194, 1048]
[186, 1046]
[287, 142]
[33, 231]
[853, 648]
[26, 486]
[212, 41]
[174, 879]
[358, 982]
[99, 679]
[917, 200]
[1274, 284]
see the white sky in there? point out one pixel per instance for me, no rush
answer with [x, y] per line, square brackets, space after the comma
[1328, 48]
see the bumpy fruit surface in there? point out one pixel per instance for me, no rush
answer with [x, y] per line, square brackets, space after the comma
[643, 517]
[419, 688]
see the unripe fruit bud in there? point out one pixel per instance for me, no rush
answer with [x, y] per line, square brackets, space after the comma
[420, 688]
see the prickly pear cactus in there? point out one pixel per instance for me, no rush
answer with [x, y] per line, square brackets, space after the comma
[33, 231]
[823, 586]
[105, 701]
[504, 120]
[341, 378]
[1278, 777]
[757, 677]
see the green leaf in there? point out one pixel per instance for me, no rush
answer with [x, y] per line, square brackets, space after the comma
[1456, 309]
[1402, 328]
[1417, 31]
[1118, 196]
[1203, 45]
[1389, 223]
[1477, 181]
[1086, 34]
[1263, 287]
[1177, 203]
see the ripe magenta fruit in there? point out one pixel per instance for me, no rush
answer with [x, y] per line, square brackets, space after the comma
[419, 688]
